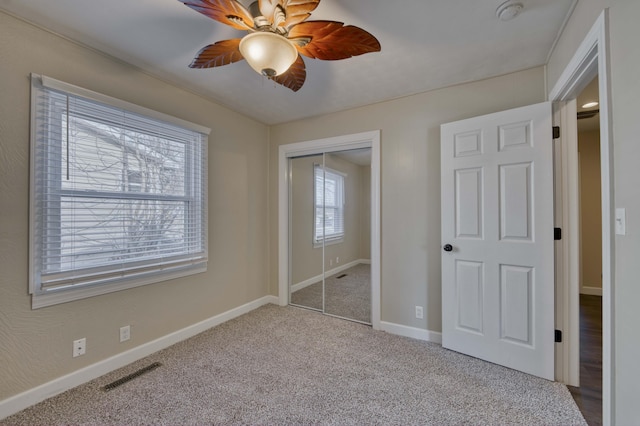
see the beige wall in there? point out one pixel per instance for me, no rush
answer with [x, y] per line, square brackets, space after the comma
[410, 170]
[590, 209]
[625, 92]
[307, 260]
[35, 346]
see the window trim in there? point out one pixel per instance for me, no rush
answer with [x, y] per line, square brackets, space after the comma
[42, 297]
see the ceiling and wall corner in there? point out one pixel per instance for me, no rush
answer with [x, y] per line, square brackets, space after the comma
[425, 46]
[582, 18]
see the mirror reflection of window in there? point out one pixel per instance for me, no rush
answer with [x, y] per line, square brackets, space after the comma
[329, 205]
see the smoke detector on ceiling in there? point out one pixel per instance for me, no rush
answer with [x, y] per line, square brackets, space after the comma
[509, 10]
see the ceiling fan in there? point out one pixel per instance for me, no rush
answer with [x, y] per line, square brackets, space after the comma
[278, 35]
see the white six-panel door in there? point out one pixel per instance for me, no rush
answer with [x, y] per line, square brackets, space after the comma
[497, 221]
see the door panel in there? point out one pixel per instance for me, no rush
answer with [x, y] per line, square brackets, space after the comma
[516, 304]
[468, 203]
[469, 291]
[515, 202]
[497, 213]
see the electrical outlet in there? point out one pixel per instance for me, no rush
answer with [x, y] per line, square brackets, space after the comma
[125, 333]
[79, 347]
[337, 260]
[419, 312]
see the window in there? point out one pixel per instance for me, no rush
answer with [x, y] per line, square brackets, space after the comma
[329, 205]
[118, 195]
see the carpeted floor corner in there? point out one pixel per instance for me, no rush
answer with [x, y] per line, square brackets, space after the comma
[348, 296]
[284, 365]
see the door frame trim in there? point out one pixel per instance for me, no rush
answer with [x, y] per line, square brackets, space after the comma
[369, 139]
[591, 59]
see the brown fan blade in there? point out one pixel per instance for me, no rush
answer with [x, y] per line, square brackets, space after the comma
[216, 55]
[332, 40]
[297, 11]
[268, 8]
[228, 12]
[294, 77]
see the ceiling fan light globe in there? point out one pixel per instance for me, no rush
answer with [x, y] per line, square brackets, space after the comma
[268, 53]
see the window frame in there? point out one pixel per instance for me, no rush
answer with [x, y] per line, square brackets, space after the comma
[151, 270]
[337, 237]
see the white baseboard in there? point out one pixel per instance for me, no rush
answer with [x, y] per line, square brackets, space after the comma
[593, 291]
[25, 399]
[306, 283]
[413, 332]
[317, 278]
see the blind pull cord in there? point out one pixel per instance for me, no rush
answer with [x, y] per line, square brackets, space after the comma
[68, 137]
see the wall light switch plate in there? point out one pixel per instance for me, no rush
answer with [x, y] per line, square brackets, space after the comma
[621, 221]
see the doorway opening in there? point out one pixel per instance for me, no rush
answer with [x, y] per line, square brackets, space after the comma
[588, 395]
[590, 60]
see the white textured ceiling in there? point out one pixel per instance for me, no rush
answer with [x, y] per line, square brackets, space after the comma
[426, 44]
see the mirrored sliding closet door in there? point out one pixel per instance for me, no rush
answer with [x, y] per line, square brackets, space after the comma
[330, 211]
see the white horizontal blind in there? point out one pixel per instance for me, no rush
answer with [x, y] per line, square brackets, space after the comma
[329, 204]
[116, 195]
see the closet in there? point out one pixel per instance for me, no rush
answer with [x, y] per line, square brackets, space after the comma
[330, 233]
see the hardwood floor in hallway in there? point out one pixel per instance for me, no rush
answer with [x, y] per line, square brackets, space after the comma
[588, 396]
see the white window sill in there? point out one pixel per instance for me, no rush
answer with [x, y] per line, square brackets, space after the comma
[328, 242]
[56, 297]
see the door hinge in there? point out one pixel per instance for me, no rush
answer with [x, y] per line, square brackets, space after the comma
[556, 132]
[557, 234]
[558, 336]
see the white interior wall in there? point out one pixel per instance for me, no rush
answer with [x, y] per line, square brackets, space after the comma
[624, 66]
[625, 92]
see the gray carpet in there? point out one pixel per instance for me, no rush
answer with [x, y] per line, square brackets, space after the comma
[347, 297]
[285, 365]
